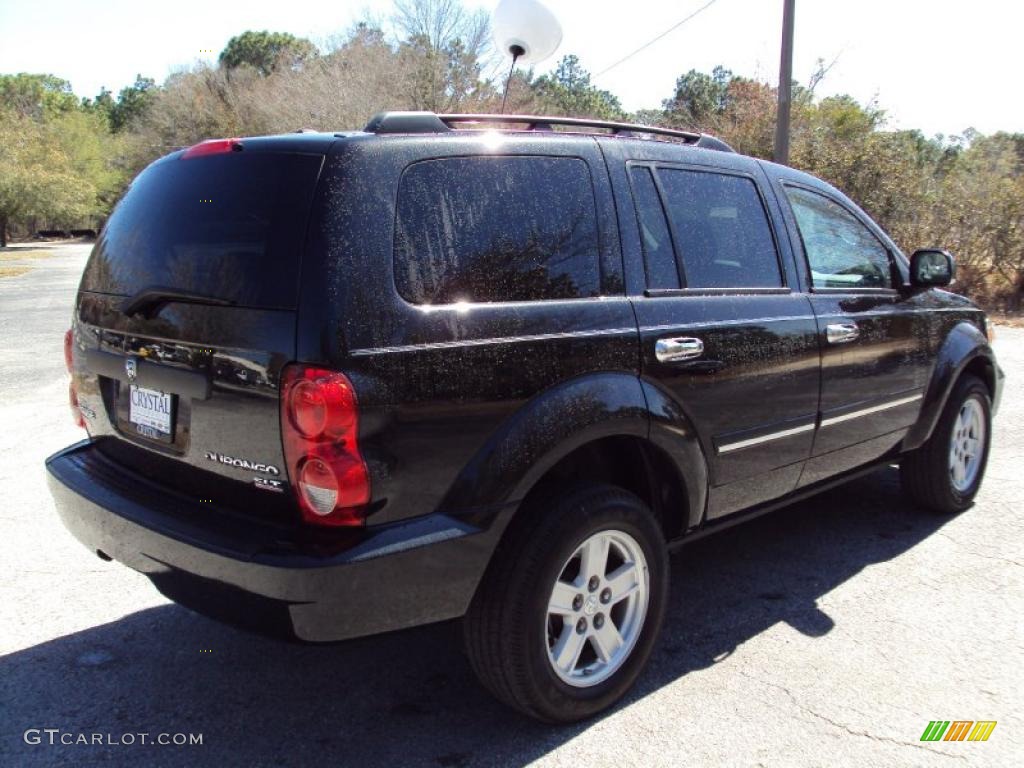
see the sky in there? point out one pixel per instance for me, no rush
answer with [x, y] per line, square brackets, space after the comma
[936, 65]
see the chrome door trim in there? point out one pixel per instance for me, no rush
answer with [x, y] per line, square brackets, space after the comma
[868, 411]
[464, 343]
[752, 441]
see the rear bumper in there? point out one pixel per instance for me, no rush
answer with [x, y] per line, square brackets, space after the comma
[266, 577]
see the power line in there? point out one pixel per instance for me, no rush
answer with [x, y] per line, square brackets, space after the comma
[649, 43]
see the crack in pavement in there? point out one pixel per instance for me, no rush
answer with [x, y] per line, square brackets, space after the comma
[843, 726]
[975, 553]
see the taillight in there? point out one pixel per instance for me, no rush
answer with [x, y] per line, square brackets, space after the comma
[212, 147]
[320, 431]
[76, 412]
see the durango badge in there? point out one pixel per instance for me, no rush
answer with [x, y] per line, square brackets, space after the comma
[252, 466]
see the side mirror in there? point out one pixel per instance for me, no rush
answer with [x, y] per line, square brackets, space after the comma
[931, 267]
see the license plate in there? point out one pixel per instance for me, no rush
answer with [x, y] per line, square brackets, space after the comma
[152, 412]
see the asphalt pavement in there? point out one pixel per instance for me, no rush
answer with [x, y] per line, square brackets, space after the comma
[828, 633]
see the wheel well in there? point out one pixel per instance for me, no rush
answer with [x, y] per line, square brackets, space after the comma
[630, 463]
[982, 368]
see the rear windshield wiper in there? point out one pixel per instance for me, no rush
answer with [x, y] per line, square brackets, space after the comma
[149, 300]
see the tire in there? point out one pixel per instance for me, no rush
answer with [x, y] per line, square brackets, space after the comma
[509, 632]
[928, 474]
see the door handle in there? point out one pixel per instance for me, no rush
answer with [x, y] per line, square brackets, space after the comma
[674, 350]
[841, 333]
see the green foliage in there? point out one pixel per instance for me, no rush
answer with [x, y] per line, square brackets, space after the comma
[568, 91]
[132, 103]
[699, 98]
[266, 51]
[101, 105]
[36, 96]
[94, 156]
[37, 177]
[440, 79]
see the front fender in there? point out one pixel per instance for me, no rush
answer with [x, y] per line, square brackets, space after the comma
[964, 345]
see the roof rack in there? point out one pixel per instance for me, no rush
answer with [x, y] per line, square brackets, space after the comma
[429, 122]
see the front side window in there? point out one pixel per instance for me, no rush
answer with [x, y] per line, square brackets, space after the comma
[723, 233]
[841, 251]
[492, 229]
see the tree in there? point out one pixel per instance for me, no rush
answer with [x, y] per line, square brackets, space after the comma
[441, 53]
[568, 91]
[198, 104]
[93, 154]
[132, 103]
[699, 98]
[266, 51]
[101, 105]
[439, 23]
[978, 213]
[36, 176]
[36, 96]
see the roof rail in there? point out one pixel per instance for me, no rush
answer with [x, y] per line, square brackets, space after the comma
[428, 122]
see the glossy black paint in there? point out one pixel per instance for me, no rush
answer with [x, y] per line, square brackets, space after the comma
[892, 360]
[436, 383]
[963, 347]
[222, 364]
[760, 347]
[211, 557]
[465, 409]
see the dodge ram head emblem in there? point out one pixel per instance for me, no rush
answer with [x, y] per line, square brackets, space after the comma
[130, 368]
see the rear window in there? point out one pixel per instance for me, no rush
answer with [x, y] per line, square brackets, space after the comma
[229, 226]
[491, 229]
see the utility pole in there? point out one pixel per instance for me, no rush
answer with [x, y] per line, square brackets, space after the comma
[781, 154]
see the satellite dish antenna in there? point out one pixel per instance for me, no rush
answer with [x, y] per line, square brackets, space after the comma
[527, 31]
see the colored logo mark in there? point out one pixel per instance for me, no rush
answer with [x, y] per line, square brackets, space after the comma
[958, 730]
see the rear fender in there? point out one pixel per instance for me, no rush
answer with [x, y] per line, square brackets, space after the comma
[565, 417]
[544, 430]
[674, 433]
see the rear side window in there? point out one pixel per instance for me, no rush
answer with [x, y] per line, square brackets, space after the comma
[491, 229]
[229, 226]
[659, 258]
[722, 229]
[841, 251]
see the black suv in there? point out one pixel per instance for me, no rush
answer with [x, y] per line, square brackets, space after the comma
[494, 368]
